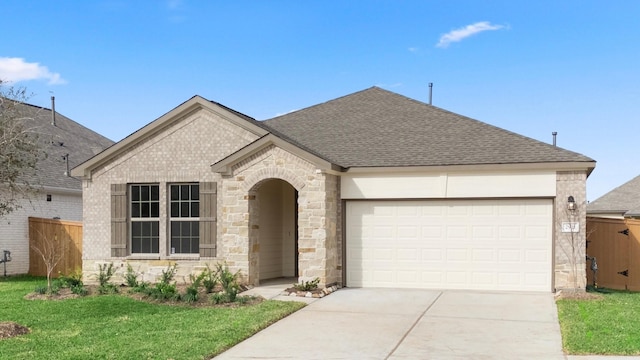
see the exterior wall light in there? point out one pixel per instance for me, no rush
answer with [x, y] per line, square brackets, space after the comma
[571, 203]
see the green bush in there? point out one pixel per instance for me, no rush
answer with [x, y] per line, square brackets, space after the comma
[229, 283]
[131, 277]
[79, 290]
[209, 279]
[164, 289]
[108, 289]
[307, 285]
[191, 292]
[41, 289]
[105, 272]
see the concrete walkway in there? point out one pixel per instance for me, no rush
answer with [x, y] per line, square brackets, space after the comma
[412, 324]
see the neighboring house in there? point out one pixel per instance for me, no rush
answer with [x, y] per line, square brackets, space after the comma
[619, 203]
[373, 189]
[59, 195]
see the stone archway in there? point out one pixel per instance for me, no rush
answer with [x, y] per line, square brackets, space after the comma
[273, 230]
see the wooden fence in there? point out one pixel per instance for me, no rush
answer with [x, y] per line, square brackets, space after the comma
[615, 243]
[65, 235]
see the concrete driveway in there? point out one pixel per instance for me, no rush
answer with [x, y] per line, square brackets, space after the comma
[412, 324]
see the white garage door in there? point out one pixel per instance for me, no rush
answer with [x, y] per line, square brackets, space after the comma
[450, 244]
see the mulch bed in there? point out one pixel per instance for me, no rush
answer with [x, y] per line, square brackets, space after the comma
[10, 329]
[202, 301]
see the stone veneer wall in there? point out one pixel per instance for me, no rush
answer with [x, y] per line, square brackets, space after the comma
[570, 248]
[317, 214]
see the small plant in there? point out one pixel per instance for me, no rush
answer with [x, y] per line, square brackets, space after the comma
[54, 289]
[229, 283]
[209, 279]
[191, 292]
[79, 289]
[169, 274]
[164, 289]
[105, 272]
[41, 289]
[142, 287]
[131, 277]
[74, 278]
[307, 285]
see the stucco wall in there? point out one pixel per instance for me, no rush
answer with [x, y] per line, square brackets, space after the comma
[14, 227]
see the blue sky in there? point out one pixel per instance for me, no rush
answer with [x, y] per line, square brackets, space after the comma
[532, 67]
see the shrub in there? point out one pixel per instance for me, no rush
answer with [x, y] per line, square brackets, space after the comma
[41, 289]
[79, 290]
[209, 279]
[164, 289]
[229, 283]
[73, 279]
[131, 277]
[167, 275]
[307, 285]
[191, 292]
[105, 272]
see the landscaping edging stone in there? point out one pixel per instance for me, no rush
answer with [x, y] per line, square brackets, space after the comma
[318, 293]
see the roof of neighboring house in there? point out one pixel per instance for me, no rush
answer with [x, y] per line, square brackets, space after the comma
[65, 137]
[625, 199]
[379, 128]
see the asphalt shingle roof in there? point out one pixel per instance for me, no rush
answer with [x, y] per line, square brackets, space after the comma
[66, 137]
[379, 128]
[624, 199]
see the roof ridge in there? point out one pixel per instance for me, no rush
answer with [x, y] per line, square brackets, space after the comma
[324, 102]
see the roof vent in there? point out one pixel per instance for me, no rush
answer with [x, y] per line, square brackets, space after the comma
[554, 134]
[430, 93]
[53, 110]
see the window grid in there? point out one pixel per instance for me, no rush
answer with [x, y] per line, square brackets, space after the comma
[184, 212]
[145, 218]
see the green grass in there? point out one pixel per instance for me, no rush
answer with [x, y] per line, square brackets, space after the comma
[610, 325]
[117, 327]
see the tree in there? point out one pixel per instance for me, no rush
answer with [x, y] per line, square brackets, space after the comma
[52, 251]
[19, 148]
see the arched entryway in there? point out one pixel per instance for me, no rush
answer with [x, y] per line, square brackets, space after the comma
[274, 229]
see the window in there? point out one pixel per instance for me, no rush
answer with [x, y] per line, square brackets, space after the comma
[184, 218]
[158, 220]
[145, 219]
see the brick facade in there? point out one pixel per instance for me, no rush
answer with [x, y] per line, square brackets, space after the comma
[184, 152]
[570, 247]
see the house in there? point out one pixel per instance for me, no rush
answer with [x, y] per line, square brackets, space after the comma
[619, 203]
[372, 189]
[59, 196]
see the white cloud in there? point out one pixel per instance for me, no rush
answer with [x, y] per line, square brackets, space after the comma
[464, 32]
[413, 49]
[17, 69]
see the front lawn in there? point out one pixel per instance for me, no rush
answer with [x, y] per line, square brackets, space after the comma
[118, 327]
[609, 325]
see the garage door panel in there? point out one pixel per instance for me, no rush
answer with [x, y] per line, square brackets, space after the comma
[472, 244]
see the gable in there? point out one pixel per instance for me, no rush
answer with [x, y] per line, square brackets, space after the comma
[195, 133]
